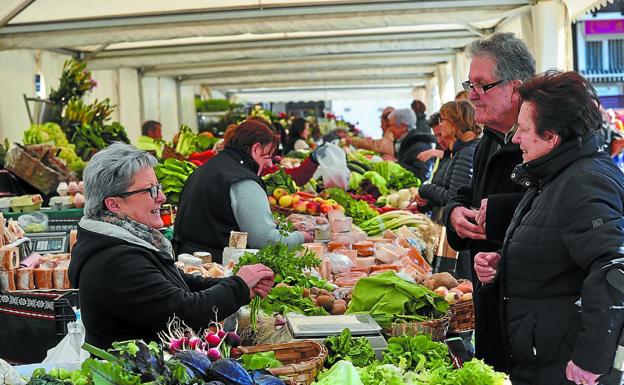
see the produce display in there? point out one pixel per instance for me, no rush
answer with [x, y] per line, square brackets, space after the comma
[51, 133]
[372, 254]
[172, 174]
[358, 350]
[389, 298]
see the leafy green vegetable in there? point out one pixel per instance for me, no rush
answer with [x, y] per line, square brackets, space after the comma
[476, 372]
[377, 374]
[284, 299]
[387, 297]
[417, 353]
[288, 263]
[377, 180]
[397, 177]
[359, 210]
[190, 142]
[172, 174]
[354, 181]
[342, 373]
[345, 347]
[279, 179]
[53, 134]
[301, 155]
[262, 360]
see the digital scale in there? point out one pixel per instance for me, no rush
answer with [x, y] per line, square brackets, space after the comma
[316, 328]
[49, 243]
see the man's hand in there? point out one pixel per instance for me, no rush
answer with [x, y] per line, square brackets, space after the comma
[389, 157]
[424, 156]
[463, 222]
[485, 265]
[481, 215]
[580, 376]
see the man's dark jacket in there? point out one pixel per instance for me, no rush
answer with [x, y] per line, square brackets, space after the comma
[565, 235]
[129, 289]
[494, 161]
[413, 144]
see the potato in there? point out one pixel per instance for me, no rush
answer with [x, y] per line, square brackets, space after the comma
[444, 279]
[465, 287]
[441, 291]
[451, 297]
[338, 309]
[326, 301]
[456, 290]
[466, 297]
[431, 284]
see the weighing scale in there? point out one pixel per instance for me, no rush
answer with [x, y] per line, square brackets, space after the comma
[316, 328]
[49, 243]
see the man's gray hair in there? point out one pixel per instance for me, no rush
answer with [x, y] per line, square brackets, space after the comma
[404, 115]
[111, 172]
[513, 59]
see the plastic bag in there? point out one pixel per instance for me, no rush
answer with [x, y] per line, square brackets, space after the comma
[333, 166]
[69, 349]
[340, 263]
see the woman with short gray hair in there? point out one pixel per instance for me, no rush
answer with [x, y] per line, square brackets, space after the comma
[124, 267]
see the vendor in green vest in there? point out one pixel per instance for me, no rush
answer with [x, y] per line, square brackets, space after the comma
[151, 131]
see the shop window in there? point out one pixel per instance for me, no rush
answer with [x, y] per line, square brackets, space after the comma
[616, 55]
[593, 56]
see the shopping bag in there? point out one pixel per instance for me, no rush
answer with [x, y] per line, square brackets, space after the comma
[69, 349]
[333, 166]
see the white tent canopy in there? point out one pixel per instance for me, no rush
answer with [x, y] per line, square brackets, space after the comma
[262, 47]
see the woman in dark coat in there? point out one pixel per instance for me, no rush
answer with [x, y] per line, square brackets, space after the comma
[561, 318]
[458, 122]
[124, 267]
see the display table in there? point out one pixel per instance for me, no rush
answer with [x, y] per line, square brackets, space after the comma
[33, 322]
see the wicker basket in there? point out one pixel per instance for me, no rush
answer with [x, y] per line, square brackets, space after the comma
[29, 168]
[463, 317]
[302, 359]
[434, 328]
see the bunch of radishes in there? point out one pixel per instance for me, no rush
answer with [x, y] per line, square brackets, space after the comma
[214, 342]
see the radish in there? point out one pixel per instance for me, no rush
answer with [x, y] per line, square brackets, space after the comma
[175, 344]
[221, 334]
[213, 340]
[232, 339]
[193, 342]
[214, 354]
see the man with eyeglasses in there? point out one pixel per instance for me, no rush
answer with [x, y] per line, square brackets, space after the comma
[384, 145]
[478, 216]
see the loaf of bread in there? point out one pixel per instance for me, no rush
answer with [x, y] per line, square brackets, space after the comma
[24, 279]
[7, 280]
[9, 258]
[43, 278]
